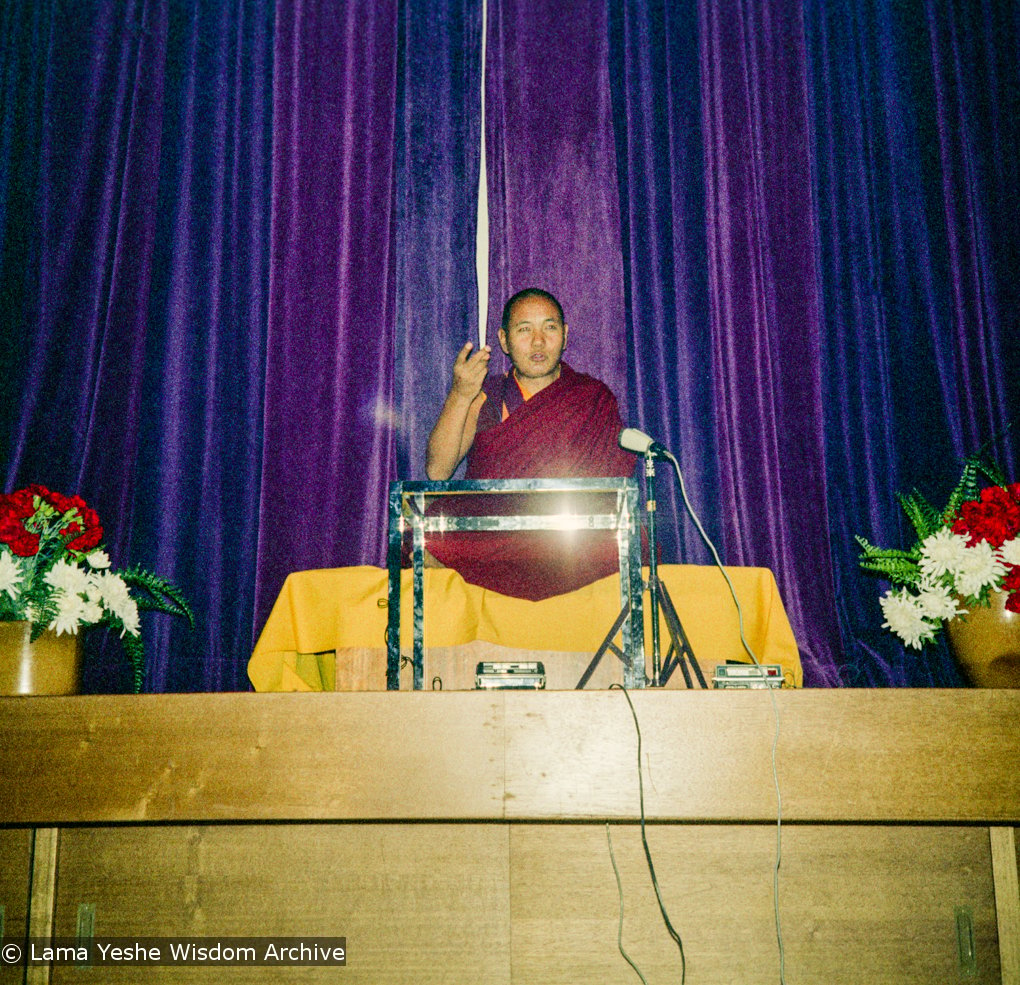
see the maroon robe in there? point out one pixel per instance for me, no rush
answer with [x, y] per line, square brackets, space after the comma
[567, 430]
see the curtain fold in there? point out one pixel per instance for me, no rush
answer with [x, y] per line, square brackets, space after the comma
[328, 443]
[80, 279]
[655, 83]
[86, 125]
[437, 151]
[975, 53]
[200, 458]
[765, 310]
[552, 176]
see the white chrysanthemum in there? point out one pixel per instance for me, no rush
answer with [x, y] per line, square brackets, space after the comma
[112, 589]
[941, 553]
[98, 559]
[68, 577]
[117, 599]
[91, 613]
[1009, 553]
[935, 602]
[904, 617]
[980, 568]
[129, 616]
[10, 574]
[70, 609]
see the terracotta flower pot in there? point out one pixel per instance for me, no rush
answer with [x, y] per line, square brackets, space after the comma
[50, 665]
[986, 644]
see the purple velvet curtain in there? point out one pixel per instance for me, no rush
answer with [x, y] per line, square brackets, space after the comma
[765, 311]
[916, 153]
[327, 445]
[553, 199]
[238, 259]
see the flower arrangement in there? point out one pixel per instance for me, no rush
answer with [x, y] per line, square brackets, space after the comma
[55, 574]
[961, 556]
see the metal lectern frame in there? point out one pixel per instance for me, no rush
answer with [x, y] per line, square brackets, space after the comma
[407, 508]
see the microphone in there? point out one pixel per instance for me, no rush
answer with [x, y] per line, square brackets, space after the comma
[633, 440]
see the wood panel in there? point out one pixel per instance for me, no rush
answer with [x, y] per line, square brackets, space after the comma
[861, 755]
[42, 897]
[250, 756]
[417, 903]
[425, 893]
[15, 864]
[904, 756]
[1007, 898]
[857, 904]
[538, 904]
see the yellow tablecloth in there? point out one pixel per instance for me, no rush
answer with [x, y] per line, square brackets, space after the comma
[331, 610]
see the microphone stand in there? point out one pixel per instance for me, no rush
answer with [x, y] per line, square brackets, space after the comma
[653, 566]
[680, 650]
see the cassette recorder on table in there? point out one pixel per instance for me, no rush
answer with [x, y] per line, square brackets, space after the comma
[510, 674]
[748, 675]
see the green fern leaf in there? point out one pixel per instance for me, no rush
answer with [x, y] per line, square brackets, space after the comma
[969, 486]
[899, 567]
[135, 650]
[156, 594]
[923, 517]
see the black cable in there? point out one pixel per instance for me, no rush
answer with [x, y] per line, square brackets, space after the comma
[644, 839]
[775, 712]
[619, 924]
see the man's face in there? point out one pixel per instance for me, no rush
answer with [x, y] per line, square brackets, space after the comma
[534, 340]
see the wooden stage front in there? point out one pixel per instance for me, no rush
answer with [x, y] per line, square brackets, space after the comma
[462, 836]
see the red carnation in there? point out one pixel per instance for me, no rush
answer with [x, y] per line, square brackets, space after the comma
[994, 517]
[15, 509]
[57, 500]
[1011, 584]
[19, 506]
[87, 522]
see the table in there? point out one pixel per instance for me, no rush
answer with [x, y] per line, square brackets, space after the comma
[327, 628]
[463, 837]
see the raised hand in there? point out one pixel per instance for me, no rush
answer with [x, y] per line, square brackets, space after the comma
[455, 430]
[470, 370]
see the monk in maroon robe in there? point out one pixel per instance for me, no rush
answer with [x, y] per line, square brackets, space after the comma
[540, 420]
